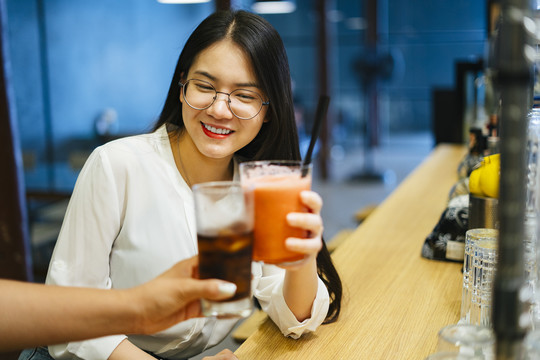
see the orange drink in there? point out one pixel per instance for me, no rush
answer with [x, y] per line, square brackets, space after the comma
[276, 189]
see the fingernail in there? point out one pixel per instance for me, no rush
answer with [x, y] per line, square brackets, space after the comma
[227, 288]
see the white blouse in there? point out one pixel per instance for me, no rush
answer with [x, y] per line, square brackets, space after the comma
[130, 218]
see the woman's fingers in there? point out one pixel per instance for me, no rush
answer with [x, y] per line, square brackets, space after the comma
[307, 221]
[312, 200]
[311, 222]
[304, 246]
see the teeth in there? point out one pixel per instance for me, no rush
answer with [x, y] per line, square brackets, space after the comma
[216, 130]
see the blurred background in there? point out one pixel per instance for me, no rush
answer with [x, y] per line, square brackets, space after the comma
[85, 71]
[403, 76]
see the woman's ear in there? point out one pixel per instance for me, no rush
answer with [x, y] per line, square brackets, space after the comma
[266, 118]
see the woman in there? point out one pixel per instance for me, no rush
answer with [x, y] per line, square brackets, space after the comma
[131, 213]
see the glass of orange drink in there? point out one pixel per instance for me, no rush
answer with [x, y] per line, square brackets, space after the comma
[276, 186]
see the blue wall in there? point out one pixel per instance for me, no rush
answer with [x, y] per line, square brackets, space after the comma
[101, 54]
[425, 37]
[121, 54]
[431, 36]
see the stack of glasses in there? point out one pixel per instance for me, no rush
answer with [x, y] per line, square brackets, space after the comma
[472, 337]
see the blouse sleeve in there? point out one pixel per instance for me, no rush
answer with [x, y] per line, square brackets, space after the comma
[81, 255]
[268, 289]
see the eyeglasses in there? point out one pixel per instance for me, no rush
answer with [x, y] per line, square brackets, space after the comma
[244, 104]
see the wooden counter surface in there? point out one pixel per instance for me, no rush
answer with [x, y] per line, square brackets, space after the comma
[394, 300]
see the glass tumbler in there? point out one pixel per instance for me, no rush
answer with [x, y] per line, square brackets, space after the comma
[468, 341]
[471, 237]
[224, 216]
[483, 275]
[276, 187]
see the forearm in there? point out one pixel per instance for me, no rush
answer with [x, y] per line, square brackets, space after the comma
[127, 351]
[34, 314]
[300, 289]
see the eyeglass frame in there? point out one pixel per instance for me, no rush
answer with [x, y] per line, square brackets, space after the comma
[263, 103]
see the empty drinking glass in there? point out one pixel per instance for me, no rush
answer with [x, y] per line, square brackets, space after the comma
[471, 237]
[484, 265]
[467, 341]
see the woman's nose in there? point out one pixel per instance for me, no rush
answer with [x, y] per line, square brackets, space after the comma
[220, 108]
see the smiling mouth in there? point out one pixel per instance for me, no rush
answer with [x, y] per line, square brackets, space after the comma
[218, 131]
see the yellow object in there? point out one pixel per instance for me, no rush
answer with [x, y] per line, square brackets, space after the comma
[489, 179]
[484, 181]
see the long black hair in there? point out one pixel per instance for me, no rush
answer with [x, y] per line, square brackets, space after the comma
[278, 137]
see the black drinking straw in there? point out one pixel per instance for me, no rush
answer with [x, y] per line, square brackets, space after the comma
[320, 115]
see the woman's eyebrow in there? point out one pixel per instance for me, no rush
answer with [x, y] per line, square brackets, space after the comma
[204, 73]
[213, 78]
[249, 84]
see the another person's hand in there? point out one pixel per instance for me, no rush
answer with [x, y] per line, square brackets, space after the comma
[310, 221]
[174, 296]
[222, 355]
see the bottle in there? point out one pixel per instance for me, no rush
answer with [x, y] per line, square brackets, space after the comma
[477, 146]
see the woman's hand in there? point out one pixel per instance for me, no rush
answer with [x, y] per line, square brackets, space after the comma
[310, 221]
[301, 281]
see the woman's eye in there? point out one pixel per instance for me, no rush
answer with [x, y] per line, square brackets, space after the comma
[244, 96]
[204, 87]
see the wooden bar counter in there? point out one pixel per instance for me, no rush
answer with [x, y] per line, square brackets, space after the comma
[394, 301]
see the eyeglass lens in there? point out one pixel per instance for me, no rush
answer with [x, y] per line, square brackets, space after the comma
[243, 103]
